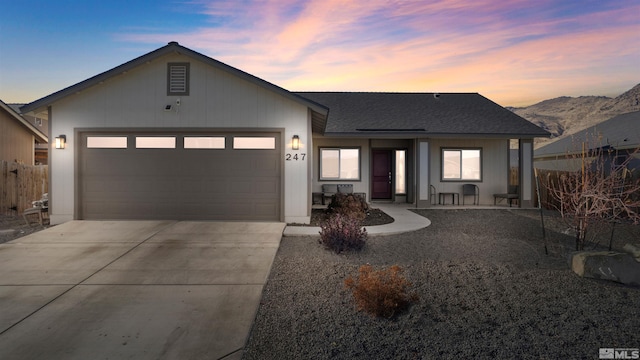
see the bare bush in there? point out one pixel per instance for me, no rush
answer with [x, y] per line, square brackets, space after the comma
[604, 191]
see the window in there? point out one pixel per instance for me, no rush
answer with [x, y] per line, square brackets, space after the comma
[155, 142]
[204, 142]
[106, 142]
[178, 79]
[266, 143]
[339, 164]
[461, 164]
[401, 185]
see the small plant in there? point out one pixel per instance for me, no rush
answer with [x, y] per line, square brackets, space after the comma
[350, 205]
[381, 293]
[341, 232]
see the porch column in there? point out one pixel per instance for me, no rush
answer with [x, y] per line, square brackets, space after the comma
[526, 185]
[423, 173]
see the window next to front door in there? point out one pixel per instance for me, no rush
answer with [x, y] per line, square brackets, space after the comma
[339, 164]
[461, 164]
[401, 171]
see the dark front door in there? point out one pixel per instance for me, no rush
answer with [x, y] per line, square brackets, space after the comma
[381, 174]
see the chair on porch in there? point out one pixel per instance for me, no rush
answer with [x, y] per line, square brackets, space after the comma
[471, 190]
[432, 195]
[39, 208]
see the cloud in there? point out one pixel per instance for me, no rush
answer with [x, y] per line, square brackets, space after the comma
[499, 48]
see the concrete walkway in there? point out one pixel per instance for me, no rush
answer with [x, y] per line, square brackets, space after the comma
[134, 290]
[405, 220]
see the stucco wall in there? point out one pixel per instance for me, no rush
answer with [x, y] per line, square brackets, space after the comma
[137, 99]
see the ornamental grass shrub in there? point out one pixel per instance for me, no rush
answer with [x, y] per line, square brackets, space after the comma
[350, 205]
[342, 233]
[381, 293]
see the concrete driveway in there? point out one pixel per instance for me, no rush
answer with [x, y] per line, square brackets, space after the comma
[134, 289]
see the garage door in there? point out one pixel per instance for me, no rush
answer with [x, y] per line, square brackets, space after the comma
[181, 176]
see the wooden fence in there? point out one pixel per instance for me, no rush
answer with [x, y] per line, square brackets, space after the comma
[546, 177]
[20, 185]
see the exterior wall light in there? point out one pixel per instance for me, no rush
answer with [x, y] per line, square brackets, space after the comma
[295, 142]
[61, 141]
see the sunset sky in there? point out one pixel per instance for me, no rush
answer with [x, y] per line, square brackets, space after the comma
[514, 52]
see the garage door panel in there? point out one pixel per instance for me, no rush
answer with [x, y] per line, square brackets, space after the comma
[265, 164]
[110, 208]
[180, 183]
[104, 184]
[266, 187]
[214, 187]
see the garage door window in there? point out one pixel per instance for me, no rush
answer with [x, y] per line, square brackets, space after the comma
[204, 142]
[244, 142]
[106, 142]
[155, 142]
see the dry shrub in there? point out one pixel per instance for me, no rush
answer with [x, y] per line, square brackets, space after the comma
[381, 293]
[341, 232]
[350, 205]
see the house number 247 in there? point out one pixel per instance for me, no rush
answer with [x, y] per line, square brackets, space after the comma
[295, 157]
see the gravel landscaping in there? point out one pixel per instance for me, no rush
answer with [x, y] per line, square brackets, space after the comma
[486, 290]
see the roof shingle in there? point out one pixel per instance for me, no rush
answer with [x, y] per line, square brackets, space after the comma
[421, 114]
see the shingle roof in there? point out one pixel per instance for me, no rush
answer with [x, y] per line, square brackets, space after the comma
[620, 132]
[420, 114]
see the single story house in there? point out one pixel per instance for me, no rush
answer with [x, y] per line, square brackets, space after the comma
[616, 138]
[175, 134]
[18, 137]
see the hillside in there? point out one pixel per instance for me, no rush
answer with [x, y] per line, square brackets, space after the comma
[566, 115]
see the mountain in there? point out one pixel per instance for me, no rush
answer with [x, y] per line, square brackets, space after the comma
[566, 115]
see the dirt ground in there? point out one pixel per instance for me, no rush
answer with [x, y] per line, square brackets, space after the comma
[13, 227]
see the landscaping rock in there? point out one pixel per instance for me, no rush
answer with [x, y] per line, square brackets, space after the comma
[607, 265]
[633, 249]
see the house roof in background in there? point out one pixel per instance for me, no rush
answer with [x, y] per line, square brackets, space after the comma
[619, 132]
[40, 136]
[370, 114]
[41, 105]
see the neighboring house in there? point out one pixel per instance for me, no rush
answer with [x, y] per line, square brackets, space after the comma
[42, 148]
[175, 134]
[18, 137]
[618, 138]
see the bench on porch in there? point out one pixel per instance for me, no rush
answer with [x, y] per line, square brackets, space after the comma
[328, 190]
[511, 195]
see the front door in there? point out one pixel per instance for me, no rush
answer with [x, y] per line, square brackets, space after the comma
[381, 174]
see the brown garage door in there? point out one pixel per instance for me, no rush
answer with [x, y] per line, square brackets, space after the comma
[182, 176]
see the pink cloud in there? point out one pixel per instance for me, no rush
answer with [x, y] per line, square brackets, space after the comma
[382, 45]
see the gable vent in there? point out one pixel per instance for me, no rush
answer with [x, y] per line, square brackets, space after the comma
[178, 79]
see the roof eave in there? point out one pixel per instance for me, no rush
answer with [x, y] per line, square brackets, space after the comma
[40, 137]
[43, 103]
[373, 134]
